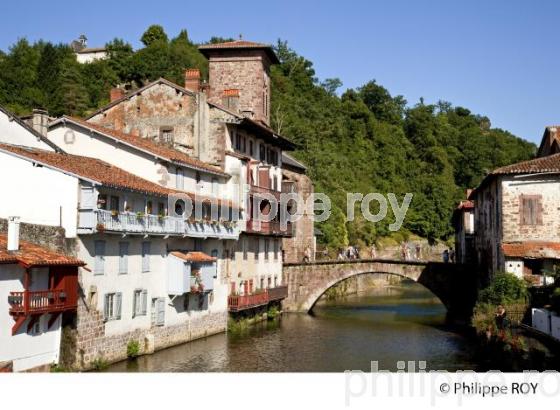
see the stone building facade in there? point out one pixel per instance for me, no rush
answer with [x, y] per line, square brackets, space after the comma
[517, 220]
[295, 179]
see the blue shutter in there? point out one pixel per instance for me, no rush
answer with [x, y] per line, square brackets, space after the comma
[146, 250]
[144, 302]
[160, 318]
[123, 257]
[106, 308]
[99, 266]
[118, 305]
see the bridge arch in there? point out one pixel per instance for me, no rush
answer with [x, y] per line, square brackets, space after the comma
[455, 285]
[314, 298]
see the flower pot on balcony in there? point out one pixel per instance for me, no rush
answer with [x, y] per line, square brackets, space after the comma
[114, 213]
[62, 295]
[100, 227]
[140, 215]
[50, 295]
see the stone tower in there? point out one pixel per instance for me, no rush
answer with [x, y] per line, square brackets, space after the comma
[239, 77]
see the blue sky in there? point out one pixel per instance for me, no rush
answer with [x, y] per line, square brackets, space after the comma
[497, 58]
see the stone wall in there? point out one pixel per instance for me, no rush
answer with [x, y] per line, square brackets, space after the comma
[246, 71]
[92, 344]
[157, 108]
[303, 234]
[50, 237]
[455, 285]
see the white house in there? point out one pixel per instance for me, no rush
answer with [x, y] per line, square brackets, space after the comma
[128, 239]
[15, 131]
[37, 288]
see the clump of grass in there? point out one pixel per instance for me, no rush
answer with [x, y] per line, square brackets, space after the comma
[132, 349]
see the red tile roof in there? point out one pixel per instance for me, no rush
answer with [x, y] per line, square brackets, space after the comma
[101, 172]
[543, 165]
[145, 144]
[532, 249]
[239, 45]
[550, 163]
[193, 256]
[89, 168]
[30, 255]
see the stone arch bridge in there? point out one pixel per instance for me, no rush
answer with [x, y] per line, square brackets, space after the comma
[454, 284]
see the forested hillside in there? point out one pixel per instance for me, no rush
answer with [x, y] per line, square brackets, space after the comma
[363, 140]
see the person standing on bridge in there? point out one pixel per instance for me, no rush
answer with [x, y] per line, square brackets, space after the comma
[373, 252]
[307, 255]
[446, 256]
[452, 255]
[418, 252]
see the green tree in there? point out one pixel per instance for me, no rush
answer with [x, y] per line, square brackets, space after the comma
[154, 33]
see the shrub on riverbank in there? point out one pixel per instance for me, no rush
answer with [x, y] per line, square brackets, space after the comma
[504, 289]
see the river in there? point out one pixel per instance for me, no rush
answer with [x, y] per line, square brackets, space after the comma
[387, 325]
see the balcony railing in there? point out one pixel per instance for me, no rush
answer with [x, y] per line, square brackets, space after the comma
[237, 303]
[269, 228]
[259, 190]
[39, 302]
[277, 293]
[130, 222]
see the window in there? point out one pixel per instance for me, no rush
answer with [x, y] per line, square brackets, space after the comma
[112, 306]
[266, 248]
[146, 247]
[530, 209]
[166, 135]
[123, 258]
[180, 179]
[275, 281]
[262, 152]
[36, 328]
[262, 283]
[238, 143]
[244, 244]
[149, 207]
[198, 244]
[99, 264]
[251, 148]
[139, 302]
[102, 201]
[161, 209]
[114, 203]
[276, 250]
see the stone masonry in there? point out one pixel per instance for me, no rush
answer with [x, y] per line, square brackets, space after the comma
[303, 234]
[454, 284]
[92, 344]
[246, 71]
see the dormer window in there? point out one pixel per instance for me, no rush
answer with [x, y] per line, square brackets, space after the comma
[166, 135]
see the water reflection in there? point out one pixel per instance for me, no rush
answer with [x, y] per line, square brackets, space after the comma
[403, 322]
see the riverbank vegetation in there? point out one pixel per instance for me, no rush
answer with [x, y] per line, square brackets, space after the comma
[355, 140]
[503, 342]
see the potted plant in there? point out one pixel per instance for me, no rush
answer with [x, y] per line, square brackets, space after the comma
[100, 227]
[140, 214]
[161, 216]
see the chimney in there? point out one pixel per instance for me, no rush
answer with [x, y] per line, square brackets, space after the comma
[117, 93]
[230, 99]
[192, 79]
[13, 233]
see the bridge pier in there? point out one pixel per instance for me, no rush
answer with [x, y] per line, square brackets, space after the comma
[454, 284]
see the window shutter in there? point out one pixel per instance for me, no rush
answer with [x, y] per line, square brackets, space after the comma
[123, 257]
[106, 308]
[160, 312]
[118, 305]
[145, 256]
[99, 267]
[539, 210]
[134, 303]
[144, 302]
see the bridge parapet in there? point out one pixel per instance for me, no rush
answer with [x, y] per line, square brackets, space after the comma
[454, 284]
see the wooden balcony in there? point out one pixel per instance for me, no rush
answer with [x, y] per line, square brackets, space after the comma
[237, 303]
[272, 228]
[258, 190]
[277, 293]
[40, 302]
